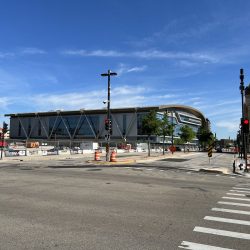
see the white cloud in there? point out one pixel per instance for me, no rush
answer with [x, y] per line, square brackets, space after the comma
[137, 69]
[97, 53]
[229, 125]
[146, 54]
[4, 102]
[124, 69]
[6, 55]
[128, 90]
[32, 51]
[122, 96]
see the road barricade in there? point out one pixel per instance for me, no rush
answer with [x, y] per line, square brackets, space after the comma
[97, 156]
[113, 156]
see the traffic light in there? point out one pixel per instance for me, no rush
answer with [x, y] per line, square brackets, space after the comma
[107, 124]
[110, 124]
[245, 125]
[5, 127]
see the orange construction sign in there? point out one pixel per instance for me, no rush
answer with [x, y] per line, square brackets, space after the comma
[172, 148]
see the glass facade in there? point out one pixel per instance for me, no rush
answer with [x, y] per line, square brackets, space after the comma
[76, 126]
[178, 120]
[92, 126]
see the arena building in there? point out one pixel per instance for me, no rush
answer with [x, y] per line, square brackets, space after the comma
[88, 125]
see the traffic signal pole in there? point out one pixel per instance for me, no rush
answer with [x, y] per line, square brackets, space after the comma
[244, 133]
[108, 114]
[2, 142]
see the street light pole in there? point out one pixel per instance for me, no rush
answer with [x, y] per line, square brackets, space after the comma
[108, 112]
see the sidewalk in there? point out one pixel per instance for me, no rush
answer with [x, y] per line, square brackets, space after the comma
[240, 165]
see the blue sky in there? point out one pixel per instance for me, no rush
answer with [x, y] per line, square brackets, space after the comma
[52, 53]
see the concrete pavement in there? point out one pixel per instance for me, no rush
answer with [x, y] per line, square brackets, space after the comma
[221, 163]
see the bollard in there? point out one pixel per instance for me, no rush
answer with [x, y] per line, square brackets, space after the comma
[234, 167]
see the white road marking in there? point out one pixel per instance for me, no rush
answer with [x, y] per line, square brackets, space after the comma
[149, 169]
[240, 191]
[196, 246]
[222, 233]
[230, 211]
[235, 198]
[234, 204]
[236, 194]
[242, 185]
[226, 220]
[237, 188]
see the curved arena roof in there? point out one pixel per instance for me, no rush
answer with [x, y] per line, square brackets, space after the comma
[175, 107]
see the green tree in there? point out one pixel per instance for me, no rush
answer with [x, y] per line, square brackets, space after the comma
[178, 141]
[150, 126]
[165, 128]
[204, 136]
[186, 134]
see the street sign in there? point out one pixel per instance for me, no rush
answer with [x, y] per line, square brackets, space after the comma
[172, 149]
[210, 149]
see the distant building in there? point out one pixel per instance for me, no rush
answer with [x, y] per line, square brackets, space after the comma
[79, 125]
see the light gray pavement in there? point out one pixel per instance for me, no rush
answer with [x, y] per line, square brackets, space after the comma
[194, 161]
[70, 204]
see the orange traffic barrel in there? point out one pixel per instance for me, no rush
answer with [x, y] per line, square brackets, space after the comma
[112, 157]
[97, 156]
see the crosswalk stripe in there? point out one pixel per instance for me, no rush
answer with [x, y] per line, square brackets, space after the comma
[230, 211]
[222, 233]
[240, 191]
[242, 185]
[234, 204]
[226, 220]
[197, 246]
[248, 189]
[235, 198]
[236, 194]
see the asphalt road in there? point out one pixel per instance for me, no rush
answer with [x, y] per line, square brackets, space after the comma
[66, 206]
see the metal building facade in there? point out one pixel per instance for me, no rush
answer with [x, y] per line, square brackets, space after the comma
[89, 124]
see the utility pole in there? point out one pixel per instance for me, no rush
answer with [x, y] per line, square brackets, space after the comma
[108, 120]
